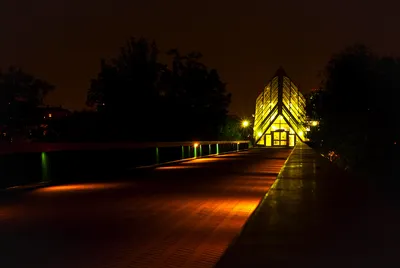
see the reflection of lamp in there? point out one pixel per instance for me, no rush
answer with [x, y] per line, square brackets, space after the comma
[314, 123]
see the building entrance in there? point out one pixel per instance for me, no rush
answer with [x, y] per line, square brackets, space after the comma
[280, 138]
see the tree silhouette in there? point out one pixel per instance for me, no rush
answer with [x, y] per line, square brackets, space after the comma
[357, 106]
[20, 94]
[125, 87]
[143, 99]
[201, 96]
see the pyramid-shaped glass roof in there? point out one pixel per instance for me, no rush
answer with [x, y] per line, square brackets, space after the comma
[279, 118]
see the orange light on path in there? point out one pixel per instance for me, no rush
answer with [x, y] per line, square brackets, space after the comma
[80, 187]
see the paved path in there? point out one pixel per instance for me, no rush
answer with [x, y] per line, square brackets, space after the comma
[317, 216]
[183, 215]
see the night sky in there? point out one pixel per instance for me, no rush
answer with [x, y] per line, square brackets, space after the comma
[62, 41]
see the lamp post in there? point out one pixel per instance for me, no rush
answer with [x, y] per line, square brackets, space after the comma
[246, 132]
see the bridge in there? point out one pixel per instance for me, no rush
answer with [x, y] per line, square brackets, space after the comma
[242, 207]
[193, 204]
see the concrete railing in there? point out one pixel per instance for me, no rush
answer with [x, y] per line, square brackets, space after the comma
[65, 162]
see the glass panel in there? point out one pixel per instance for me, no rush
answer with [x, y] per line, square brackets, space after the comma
[283, 136]
[276, 136]
[276, 142]
[280, 124]
[283, 143]
[291, 140]
[268, 138]
[266, 111]
[264, 122]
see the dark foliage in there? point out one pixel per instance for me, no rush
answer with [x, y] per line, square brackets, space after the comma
[20, 94]
[357, 109]
[83, 126]
[138, 98]
[233, 130]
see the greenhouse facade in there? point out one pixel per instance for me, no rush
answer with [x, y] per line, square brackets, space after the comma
[279, 119]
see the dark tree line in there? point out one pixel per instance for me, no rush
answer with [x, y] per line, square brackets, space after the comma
[139, 98]
[358, 109]
[20, 94]
[135, 96]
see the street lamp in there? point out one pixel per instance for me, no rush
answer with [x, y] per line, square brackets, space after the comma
[245, 123]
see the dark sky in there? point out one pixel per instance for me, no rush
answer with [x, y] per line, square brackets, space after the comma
[246, 41]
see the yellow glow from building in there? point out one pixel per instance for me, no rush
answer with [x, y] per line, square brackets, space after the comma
[280, 113]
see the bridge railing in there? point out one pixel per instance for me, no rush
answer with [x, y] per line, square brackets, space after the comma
[28, 163]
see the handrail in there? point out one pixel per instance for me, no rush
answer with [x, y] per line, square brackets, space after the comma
[11, 148]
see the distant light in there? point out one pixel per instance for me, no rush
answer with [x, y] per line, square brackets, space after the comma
[50, 115]
[314, 123]
[245, 123]
[196, 145]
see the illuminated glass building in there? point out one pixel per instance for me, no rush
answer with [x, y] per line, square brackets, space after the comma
[279, 119]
